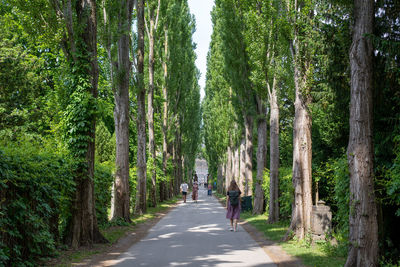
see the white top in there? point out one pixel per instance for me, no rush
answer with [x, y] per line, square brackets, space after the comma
[184, 187]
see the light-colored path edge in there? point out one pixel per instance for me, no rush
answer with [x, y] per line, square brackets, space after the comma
[271, 248]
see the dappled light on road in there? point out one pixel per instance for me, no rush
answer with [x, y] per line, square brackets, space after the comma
[195, 234]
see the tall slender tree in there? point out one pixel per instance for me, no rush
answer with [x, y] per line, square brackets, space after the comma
[141, 205]
[165, 108]
[153, 12]
[301, 52]
[119, 40]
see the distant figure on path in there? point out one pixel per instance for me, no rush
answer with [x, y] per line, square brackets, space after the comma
[206, 182]
[209, 189]
[184, 189]
[195, 191]
[233, 204]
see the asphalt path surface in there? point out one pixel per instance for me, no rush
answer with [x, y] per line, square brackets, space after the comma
[195, 234]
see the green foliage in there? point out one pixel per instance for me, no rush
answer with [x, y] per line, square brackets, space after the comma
[37, 187]
[103, 180]
[342, 194]
[78, 117]
[105, 143]
[36, 192]
[132, 186]
[285, 192]
[265, 187]
[334, 188]
[218, 110]
[318, 254]
[393, 185]
[26, 79]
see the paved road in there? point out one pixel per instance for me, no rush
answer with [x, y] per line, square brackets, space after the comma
[196, 234]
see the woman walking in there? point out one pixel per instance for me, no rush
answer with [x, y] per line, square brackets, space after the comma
[195, 191]
[233, 204]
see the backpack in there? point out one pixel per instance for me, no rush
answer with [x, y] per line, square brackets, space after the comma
[233, 198]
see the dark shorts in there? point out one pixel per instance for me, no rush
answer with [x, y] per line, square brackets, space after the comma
[184, 193]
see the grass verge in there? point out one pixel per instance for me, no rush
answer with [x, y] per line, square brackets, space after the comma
[312, 254]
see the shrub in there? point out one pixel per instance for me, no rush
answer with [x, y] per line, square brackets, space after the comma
[36, 191]
[285, 192]
[103, 180]
[342, 195]
[32, 185]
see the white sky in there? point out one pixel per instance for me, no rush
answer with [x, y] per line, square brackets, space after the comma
[201, 10]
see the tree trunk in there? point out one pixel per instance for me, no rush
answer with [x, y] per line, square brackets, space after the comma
[180, 163]
[122, 69]
[248, 189]
[224, 186]
[363, 225]
[261, 156]
[237, 165]
[165, 108]
[274, 158]
[301, 208]
[150, 112]
[300, 223]
[219, 179]
[242, 165]
[228, 175]
[84, 230]
[141, 117]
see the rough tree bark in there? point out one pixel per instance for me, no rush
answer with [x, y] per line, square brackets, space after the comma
[261, 155]
[300, 223]
[274, 156]
[83, 229]
[121, 67]
[363, 225]
[248, 119]
[141, 117]
[301, 176]
[153, 21]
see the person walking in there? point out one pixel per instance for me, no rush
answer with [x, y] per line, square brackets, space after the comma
[184, 188]
[233, 204]
[195, 191]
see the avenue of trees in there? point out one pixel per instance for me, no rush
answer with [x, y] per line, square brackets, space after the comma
[99, 117]
[321, 80]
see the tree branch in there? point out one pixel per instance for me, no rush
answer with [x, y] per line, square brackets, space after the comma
[158, 13]
[145, 24]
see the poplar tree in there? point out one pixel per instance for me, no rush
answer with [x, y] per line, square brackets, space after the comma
[141, 203]
[117, 22]
[153, 12]
[363, 246]
[237, 70]
[301, 13]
